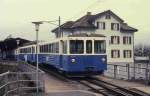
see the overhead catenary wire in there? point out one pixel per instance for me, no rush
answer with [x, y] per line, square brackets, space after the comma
[94, 4]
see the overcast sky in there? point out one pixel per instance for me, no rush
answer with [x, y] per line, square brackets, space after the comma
[16, 15]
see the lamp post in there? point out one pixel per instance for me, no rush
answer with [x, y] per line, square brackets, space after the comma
[17, 41]
[37, 25]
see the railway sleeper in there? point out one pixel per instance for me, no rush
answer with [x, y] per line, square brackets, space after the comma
[133, 92]
[114, 90]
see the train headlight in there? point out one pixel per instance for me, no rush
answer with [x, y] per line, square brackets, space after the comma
[73, 60]
[103, 59]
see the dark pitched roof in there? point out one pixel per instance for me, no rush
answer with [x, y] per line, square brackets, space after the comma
[125, 28]
[66, 25]
[11, 43]
[86, 22]
[83, 22]
[108, 12]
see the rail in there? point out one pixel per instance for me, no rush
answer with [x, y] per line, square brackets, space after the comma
[108, 89]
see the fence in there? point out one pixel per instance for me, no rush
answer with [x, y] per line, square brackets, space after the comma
[22, 83]
[128, 72]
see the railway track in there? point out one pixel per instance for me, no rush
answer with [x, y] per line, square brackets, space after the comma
[97, 85]
[108, 89]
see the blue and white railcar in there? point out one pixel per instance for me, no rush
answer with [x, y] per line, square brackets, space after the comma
[26, 53]
[84, 55]
[71, 55]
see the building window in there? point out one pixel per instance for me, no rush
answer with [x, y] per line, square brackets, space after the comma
[101, 25]
[127, 53]
[115, 26]
[108, 16]
[115, 40]
[115, 53]
[126, 40]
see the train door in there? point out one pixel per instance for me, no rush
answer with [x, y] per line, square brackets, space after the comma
[63, 50]
[61, 46]
[88, 60]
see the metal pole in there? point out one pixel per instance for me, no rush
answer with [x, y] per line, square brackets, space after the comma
[37, 63]
[134, 67]
[59, 31]
[146, 73]
[115, 71]
[18, 83]
[134, 71]
[37, 24]
[128, 70]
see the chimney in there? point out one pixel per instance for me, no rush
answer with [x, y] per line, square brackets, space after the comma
[89, 13]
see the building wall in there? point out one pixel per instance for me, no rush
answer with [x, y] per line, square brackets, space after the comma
[108, 33]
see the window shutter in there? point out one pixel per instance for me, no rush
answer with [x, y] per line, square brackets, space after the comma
[112, 55]
[118, 39]
[123, 40]
[129, 40]
[104, 25]
[111, 39]
[112, 25]
[117, 26]
[97, 25]
[130, 53]
[124, 53]
[118, 53]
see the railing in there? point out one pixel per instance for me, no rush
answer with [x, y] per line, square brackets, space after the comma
[128, 72]
[22, 83]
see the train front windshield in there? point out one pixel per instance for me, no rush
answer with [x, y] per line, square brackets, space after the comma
[77, 47]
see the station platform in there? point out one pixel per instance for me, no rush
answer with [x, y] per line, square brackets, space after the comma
[56, 87]
[73, 93]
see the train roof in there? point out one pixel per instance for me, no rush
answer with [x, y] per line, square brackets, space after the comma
[86, 35]
[70, 37]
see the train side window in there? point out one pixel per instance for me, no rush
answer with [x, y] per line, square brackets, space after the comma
[40, 49]
[28, 50]
[89, 46]
[57, 48]
[49, 48]
[46, 48]
[53, 48]
[33, 50]
[64, 47]
[99, 46]
[76, 46]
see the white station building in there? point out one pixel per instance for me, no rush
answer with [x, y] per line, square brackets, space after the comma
[119, 35]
